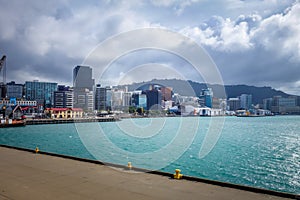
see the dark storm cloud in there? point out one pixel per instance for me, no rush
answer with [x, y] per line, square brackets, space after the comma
[252, 42]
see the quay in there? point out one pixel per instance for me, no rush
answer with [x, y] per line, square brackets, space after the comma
[62, 121]
[28, 175]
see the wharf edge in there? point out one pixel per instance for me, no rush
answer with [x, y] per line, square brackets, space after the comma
[190, 178]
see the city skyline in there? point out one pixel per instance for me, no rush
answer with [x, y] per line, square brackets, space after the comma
[253, 43]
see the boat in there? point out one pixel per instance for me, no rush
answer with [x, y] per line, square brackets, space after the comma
[5, 123]
[253, 113]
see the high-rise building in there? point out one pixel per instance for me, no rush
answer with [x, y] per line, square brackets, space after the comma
[139, 100]
[206, 97]
[14, 90]
[83, 88]
[103, 98]
[234, 104]
[42, 92]
[246, 101]
[108, 99]
[283, 105]
[2, 90]
[98, 97]
[127, 98]
[166, 93]
[90, 101]
[117, 98]
[63, 97]
[154, 98]
[83, 77]
[267, 103]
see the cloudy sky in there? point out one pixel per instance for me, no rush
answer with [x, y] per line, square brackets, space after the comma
[253, 42]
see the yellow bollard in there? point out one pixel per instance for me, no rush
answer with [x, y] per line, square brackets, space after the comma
[36, 150]
[129, 165]
[177, 174]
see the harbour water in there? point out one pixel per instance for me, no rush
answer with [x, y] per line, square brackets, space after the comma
[260, 152]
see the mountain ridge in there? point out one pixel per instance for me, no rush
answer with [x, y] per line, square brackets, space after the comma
[193, 88]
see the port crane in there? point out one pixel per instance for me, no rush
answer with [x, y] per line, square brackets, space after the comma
[3, 68]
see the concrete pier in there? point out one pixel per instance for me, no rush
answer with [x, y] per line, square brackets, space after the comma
[27, 175]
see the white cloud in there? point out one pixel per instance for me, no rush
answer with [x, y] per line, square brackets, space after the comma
[280, 33]
[222, 35]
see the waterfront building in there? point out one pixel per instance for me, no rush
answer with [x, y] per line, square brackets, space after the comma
[90, 101]
[103, 98]
[97, 96]
[283, 105]
[84, 99]
[2, 90]
[267, 103]
[127, 98]
[42, 92]
[22, 103]
[14, 90]
[206, 111]
[206, 98]
[63, 98]
[246, 101]
[166, 93]
[233, 104]
[108, 99]
[178, 99]
[139, 100]
[64, 113]
[154, 99]
[117, 99]
[167, 104]
[100, 98]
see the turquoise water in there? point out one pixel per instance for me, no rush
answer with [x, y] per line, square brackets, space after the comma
[260, 152]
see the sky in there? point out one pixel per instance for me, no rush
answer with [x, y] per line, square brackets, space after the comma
[253, 42]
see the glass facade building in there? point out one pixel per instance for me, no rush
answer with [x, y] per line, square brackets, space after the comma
[14, 90]
[42, 92]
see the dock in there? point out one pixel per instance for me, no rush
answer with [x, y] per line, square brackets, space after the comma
[63, 121]
[29, 175]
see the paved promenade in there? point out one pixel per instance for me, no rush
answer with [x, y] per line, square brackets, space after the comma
[25, 175]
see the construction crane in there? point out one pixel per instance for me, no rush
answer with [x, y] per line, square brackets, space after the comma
[3, 68]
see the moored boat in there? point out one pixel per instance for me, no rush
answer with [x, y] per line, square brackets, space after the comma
[5, 123]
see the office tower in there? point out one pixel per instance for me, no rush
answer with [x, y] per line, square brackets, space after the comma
[267, 103]
[166, 93]
[42, 92]
[139, 100]
[14, 90]
[2, 90]
[154, 98]
[83, 77]
[108, 99]
[206, 98]
[127, 98]
[117, 99]
[83, 88]
[98, 97]
[63, 97]
[103, 98]
[234, 104]
[246, 101]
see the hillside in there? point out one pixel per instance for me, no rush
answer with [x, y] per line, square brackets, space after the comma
[191, 88]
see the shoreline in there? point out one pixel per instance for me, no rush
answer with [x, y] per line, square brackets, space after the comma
[110, 119]
[168, 175]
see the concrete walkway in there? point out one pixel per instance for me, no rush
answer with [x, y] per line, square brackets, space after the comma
[25, 175]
